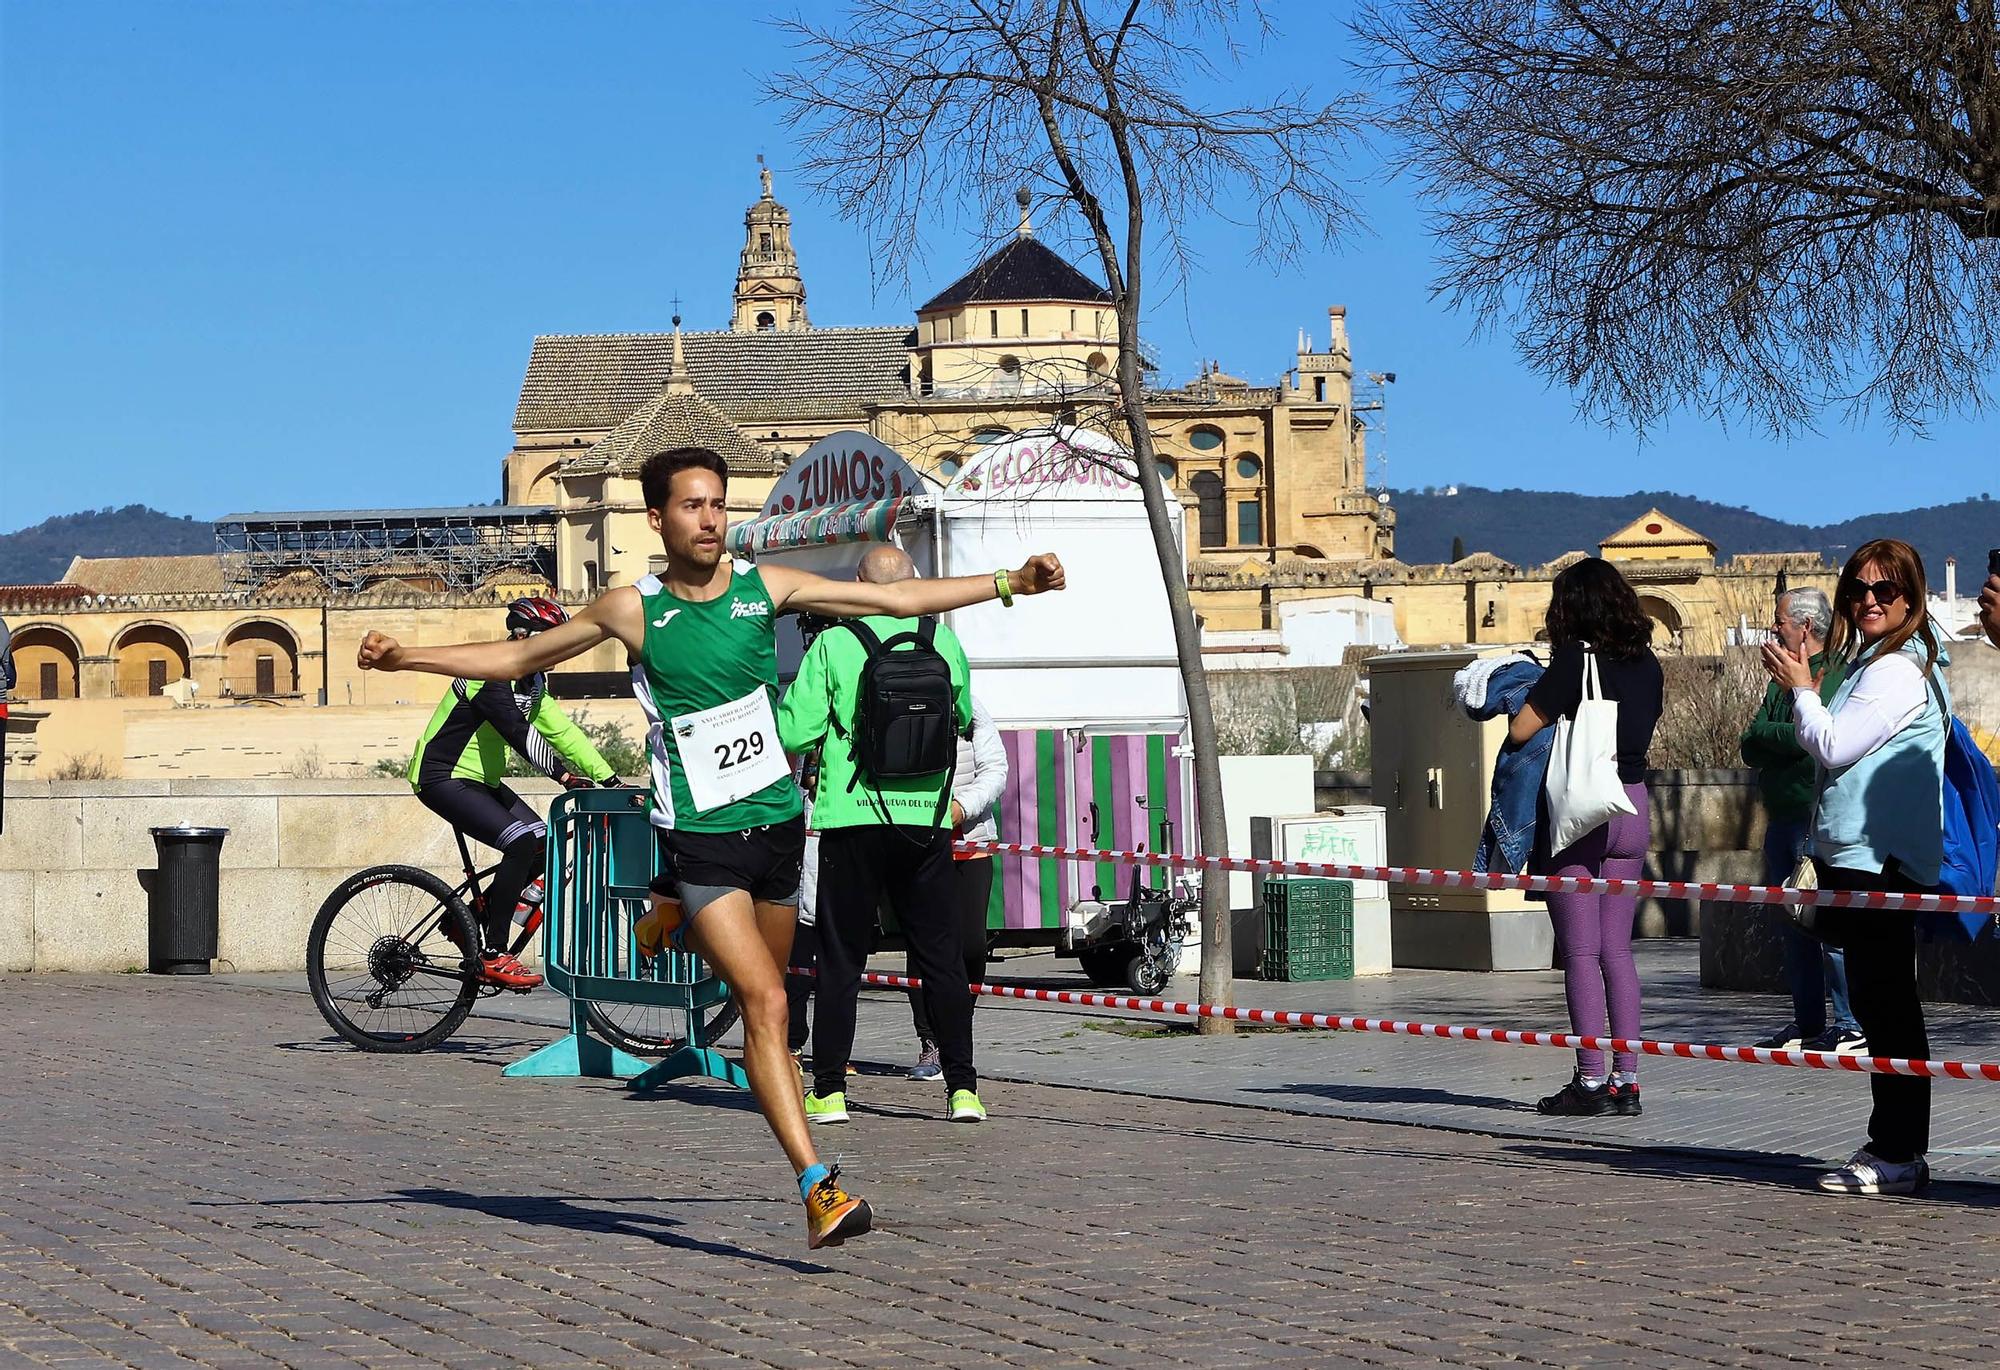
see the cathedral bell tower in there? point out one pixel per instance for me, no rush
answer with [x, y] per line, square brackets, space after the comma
[770, 294]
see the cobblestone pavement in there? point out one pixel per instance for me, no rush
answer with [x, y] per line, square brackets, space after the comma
[1703, 1107]
[192, 1173]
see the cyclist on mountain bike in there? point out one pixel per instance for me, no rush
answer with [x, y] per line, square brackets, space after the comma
[458, 768]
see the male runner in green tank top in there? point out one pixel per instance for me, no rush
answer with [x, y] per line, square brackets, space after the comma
[704, 664]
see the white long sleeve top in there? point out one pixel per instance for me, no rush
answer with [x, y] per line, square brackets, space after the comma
[1890, 693]
[981, 777]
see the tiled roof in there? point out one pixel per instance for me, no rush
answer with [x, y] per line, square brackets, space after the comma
[587, 381]
[673, 418]
[189, 575]
[14, 596]
[1022, 270]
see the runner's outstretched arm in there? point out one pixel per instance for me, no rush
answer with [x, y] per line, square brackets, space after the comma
[616, 615]
[801, 592]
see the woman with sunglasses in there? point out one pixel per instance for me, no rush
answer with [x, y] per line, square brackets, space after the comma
[1878, 824]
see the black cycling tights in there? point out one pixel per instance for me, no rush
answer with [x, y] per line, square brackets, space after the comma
[499, 818]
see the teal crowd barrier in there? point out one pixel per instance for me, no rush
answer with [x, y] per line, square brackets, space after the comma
[601, 858]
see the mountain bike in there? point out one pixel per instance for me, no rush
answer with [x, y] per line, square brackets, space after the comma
[390, 959]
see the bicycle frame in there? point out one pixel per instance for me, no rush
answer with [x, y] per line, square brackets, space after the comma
[468, 890]
[474, 895]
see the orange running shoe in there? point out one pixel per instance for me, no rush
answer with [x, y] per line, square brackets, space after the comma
[652, 932]
[498, 968]
[833, 1215]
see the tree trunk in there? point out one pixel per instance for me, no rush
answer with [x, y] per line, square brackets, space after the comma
[1123, 281]
[1211, 822]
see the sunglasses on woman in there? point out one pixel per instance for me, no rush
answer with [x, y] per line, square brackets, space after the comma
[1886, 592]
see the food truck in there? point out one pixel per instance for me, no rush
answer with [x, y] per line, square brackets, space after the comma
[1084, 685]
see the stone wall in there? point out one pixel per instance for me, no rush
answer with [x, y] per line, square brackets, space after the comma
[153, 739]
[77, 861]
[1707, 825]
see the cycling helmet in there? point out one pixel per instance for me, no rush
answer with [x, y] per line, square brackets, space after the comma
[534, 614]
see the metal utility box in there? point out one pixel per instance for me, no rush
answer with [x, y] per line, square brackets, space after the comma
[1352, 835]
[1432, 773]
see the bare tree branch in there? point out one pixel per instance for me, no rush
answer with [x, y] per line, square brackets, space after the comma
[1759, 209]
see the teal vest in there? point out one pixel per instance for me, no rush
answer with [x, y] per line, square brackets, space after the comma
[1889, 804]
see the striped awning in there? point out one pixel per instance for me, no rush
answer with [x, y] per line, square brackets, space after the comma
[857, 521]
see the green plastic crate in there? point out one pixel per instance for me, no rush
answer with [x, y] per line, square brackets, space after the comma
[1309, 930]
[1303, 895]
[1308, 965]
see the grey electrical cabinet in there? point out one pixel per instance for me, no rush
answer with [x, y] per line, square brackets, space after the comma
[1432, 774]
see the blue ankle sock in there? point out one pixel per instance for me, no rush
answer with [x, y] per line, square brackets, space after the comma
[811, 1176]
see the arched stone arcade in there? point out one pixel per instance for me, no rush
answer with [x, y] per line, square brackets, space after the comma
[260, 659]
[48, 660]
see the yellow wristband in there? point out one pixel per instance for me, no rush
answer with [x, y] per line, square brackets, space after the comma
[1006, 590]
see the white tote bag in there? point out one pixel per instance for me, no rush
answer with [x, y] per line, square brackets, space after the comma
[1582, 782]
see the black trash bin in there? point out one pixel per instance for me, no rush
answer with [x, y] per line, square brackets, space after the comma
[181, 918]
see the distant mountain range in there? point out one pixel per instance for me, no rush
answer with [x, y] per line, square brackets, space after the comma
[39, 555]
[1533, 527]
[1526, 527]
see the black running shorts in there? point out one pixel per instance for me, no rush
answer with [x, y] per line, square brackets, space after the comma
[699, 868]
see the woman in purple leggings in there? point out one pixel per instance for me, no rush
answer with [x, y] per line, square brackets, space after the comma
[1594, 608]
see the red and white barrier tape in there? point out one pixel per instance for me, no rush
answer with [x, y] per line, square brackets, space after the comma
[1340, 1022]
[1476, 880]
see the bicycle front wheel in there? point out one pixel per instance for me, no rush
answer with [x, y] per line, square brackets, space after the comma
[388, 959]
[646, 1030]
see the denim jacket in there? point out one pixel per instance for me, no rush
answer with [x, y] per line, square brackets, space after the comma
[1509, 833]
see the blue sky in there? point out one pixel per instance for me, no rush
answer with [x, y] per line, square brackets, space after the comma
[264, 254]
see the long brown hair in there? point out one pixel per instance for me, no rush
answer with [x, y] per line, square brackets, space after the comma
[1900, 563]
[1592, 603]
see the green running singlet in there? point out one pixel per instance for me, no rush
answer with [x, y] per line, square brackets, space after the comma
[708, 681]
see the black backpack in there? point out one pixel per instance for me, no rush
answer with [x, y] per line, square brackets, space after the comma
[905, 718]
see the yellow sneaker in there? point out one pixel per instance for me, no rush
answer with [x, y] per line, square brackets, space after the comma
[831, 1109]
[652, 931]
[833, 1215]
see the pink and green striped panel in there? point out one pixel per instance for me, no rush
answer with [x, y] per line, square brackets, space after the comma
[1064, 788]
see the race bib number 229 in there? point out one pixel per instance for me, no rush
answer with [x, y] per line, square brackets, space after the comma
[730, 751]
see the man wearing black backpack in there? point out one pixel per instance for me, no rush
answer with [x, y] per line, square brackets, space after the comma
[884, 701]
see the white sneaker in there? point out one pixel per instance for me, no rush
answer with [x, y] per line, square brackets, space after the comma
[1866, 1173]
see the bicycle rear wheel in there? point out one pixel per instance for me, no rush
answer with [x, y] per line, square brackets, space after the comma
[388, 957]
[646, 1030]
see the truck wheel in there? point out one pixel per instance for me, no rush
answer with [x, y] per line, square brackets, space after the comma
[1104, 966]
[1146, 975]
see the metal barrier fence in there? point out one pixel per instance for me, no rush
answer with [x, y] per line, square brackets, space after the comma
[601, 857]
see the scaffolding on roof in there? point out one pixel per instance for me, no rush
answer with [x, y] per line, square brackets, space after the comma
[351, 549]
